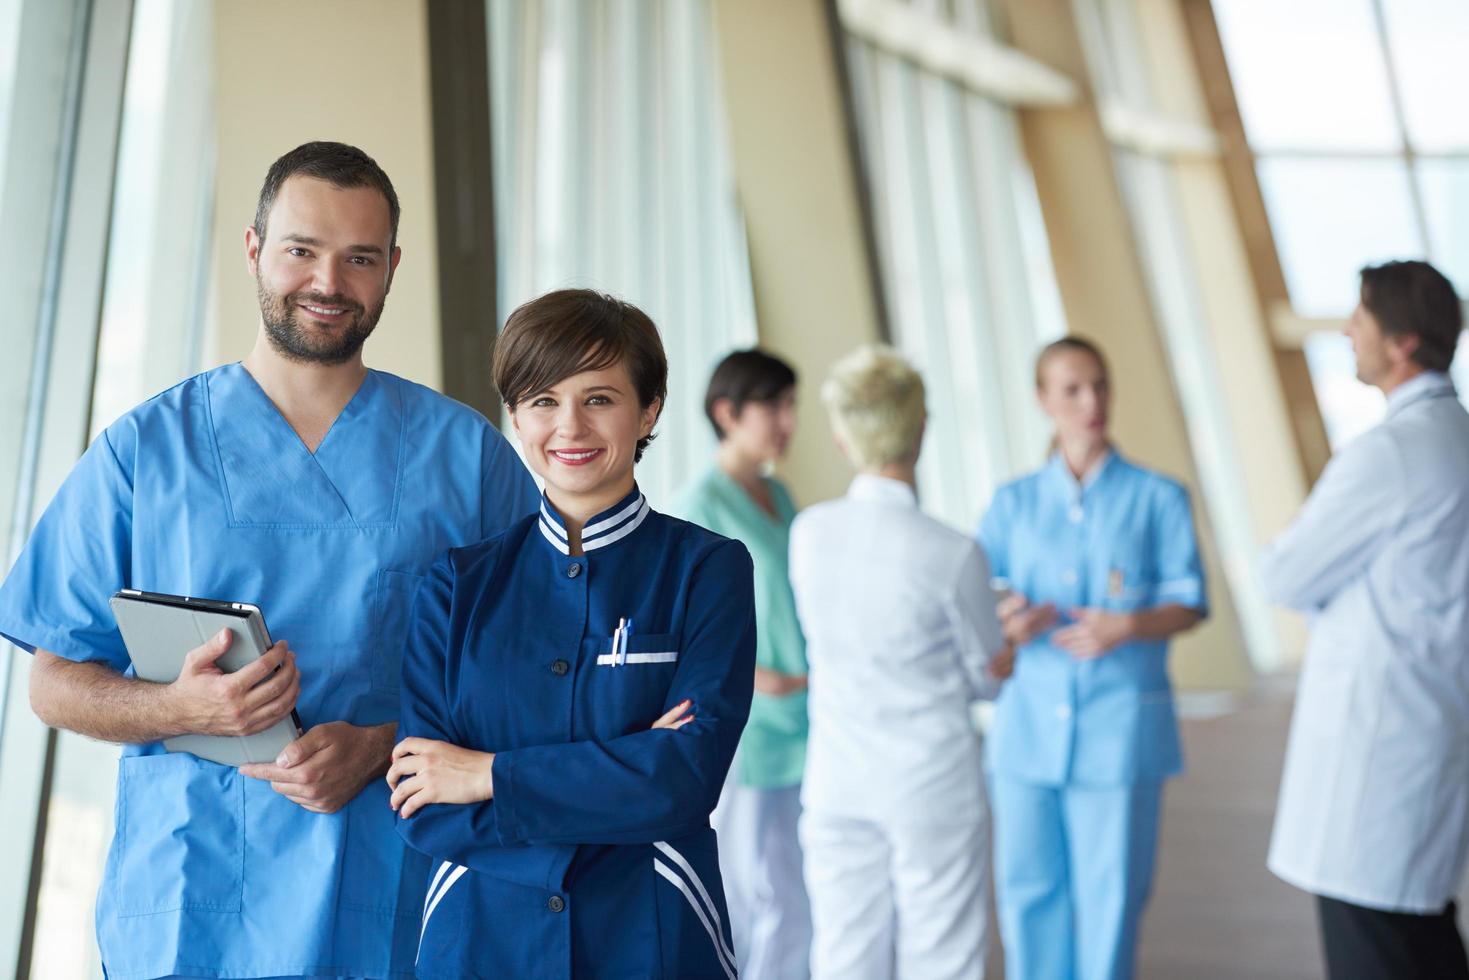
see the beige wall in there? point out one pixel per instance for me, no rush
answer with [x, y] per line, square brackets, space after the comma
[290, 71]
[797, 184]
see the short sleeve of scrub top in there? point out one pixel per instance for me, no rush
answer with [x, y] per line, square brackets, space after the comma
[1180, 572]
[993, 536]
[508, 492]
[56, 596]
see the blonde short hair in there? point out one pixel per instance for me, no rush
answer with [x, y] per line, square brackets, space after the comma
[875, 400]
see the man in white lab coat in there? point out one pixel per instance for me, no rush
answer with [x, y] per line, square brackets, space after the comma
[1373, 816]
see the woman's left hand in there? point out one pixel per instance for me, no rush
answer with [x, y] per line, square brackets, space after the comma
[425, 771]
[1093, 633]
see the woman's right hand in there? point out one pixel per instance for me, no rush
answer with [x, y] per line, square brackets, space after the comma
[675, 717]
[1023, 622]
[426, 770]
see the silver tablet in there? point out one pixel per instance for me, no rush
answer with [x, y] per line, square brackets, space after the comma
[160, 630]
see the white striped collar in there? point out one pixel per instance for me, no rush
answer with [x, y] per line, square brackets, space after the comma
[611, 525]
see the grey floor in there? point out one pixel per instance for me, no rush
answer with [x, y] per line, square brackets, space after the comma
[1217, 913]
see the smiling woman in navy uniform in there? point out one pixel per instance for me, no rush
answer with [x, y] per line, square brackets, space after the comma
[574, 688]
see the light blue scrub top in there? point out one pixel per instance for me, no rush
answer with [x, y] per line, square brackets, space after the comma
[1120, 540]
[205, 490]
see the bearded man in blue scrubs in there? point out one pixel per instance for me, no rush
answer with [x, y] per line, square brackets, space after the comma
[320, 490]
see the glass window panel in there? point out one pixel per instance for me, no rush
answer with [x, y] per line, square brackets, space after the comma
[9, 37]
[1445, 186]
[1110, 41]
[158, 245]
[1152, 196]
[1308, 74]
[966, 270]
[1427, 42]
[1348, 407]
[152, 299]
[612, 172]
[1331, 217]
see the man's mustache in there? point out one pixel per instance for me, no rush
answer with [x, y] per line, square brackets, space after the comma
[317, 299]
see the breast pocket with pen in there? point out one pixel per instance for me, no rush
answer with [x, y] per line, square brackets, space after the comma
[628, 678]
[627, 648]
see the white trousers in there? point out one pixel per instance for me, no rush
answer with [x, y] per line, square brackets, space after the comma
[760, 861]
[897, 901]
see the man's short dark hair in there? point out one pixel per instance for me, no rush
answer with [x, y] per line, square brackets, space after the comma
[747, 376]
[566, 332]
[337, 164]
[1415, 298]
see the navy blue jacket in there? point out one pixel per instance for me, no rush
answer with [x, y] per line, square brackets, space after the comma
[595, 857]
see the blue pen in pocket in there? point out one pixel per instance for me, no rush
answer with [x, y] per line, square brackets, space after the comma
[620, 637]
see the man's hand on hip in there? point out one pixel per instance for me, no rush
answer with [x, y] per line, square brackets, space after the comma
[327, 767]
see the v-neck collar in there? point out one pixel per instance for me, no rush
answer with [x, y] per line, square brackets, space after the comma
[737, 493]
[1075, 488]
[349, 410]
[605, 528]
[271, 478]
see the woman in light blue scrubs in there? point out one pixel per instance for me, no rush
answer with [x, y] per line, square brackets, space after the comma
[1102, 567]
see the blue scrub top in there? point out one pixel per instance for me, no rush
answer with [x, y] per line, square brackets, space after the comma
[1121, 540]
[595, 857]
[206, 490]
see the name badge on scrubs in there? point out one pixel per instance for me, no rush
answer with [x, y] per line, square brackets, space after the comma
[1115, 583]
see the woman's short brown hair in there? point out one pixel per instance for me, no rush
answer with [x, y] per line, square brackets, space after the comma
[566, 332]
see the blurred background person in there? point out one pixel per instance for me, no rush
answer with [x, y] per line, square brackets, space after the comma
[1373, 814]
[751, 403]
[902, 635]
[1104, 568]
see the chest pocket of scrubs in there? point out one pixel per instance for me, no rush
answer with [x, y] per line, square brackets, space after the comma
[393, 608]
[628, 697]
[180, 835]
[1128, 581]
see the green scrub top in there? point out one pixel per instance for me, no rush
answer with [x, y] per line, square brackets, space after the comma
[773, 748]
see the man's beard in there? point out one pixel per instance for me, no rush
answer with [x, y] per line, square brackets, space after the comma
[316, 346]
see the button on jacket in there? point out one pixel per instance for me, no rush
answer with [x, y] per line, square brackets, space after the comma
[1122, 540]
[1374, 800]
[595, 857]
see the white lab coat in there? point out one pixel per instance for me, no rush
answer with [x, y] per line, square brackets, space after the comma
[1374, 800]
[900, 625]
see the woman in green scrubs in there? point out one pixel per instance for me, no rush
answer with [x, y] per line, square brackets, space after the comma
[751, 404]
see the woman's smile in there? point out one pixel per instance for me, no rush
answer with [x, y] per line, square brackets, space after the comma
[574, 457]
